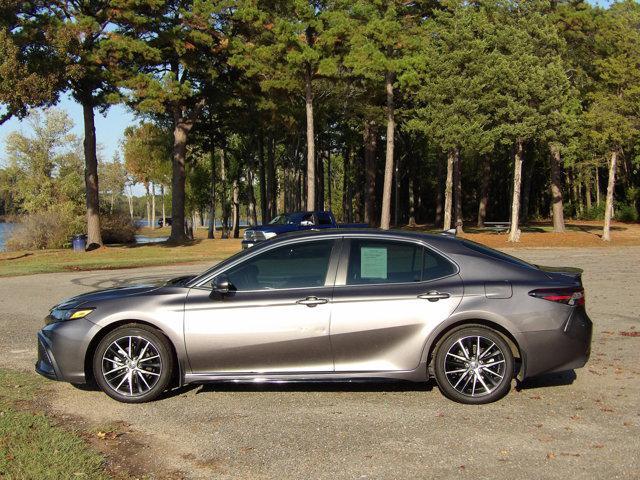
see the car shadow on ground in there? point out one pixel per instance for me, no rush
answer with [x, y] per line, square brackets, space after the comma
[335, 386]
[556, 379]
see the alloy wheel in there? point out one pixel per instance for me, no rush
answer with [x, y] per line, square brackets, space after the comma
[474, 366]
[131, 365]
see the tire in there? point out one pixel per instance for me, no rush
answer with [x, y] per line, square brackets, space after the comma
[466, 377]
[137, 377]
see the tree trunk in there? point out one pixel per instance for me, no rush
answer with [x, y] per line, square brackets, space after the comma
[438, 216]
[311, 155]
[458, 191]
[329, 190]
[370, 143]
[514, 233]
[94, 235]
[272, 188]
[557, 207]
[253, 214]
[180, 134]
[385, 217]
[164, 215]
[448, 190]
[485, 182]
[346, 196]
[608, 209]
[153, 206]
[130, 201]
[236, 209]
[223, 195]
[598, 194]
[147, 198]
[320, 180]
[211, 232]
[412, 203]
[262, 180]
[587, 189]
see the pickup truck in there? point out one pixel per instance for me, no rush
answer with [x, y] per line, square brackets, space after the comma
[293, 222]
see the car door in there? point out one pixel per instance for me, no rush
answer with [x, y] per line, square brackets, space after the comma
[275, 319]
[389, 295]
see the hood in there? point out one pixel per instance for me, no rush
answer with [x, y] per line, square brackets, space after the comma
[108, 294]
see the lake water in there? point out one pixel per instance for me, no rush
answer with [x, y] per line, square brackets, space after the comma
[5, 231]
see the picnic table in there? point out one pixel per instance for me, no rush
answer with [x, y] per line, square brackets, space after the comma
[498, 226]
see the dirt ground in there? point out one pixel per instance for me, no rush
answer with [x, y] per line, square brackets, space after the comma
[582, 424]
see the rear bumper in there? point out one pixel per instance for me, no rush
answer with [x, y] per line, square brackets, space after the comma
[61, 350]
[559, 350]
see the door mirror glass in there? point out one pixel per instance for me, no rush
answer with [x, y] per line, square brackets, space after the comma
[221, 284]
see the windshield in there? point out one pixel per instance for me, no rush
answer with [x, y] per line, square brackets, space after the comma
[280, 220]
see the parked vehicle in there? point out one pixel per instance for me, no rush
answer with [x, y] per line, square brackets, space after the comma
[167, 221]
[293, 222]
[329, 305]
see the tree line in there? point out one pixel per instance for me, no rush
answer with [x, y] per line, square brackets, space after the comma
[411, 112]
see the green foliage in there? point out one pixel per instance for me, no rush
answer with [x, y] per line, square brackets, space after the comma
[626, 213]
[50, 229]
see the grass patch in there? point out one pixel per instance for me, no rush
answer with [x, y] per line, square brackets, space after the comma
[30, 445]
[46, 261]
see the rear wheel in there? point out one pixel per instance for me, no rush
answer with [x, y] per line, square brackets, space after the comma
[474, 365]
[133, 364]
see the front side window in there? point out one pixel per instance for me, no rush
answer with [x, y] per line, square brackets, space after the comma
[381, 261]
[302, 265]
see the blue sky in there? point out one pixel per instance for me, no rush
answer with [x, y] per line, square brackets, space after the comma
[109, 129]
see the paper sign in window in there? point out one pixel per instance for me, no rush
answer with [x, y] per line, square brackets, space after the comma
[373, 262]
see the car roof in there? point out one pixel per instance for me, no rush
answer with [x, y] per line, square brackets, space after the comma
[367, 232]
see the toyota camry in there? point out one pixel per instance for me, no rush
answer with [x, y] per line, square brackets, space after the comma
[333, 305]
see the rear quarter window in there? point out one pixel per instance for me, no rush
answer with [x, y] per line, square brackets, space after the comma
[495, 254]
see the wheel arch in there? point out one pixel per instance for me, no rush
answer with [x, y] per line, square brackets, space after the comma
[103, 332]
[498, 327]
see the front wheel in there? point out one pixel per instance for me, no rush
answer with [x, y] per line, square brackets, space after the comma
[133, 364]
[474, 365]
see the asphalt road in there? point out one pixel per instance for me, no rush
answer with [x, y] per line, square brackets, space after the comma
[573, 425]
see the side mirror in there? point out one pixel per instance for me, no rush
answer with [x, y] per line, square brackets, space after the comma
[221, 284]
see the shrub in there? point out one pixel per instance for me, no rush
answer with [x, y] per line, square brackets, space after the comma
[49, 229]
[117, 228]
[596, 212]
[626, 213]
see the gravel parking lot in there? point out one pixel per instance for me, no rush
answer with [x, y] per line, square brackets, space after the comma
[571, 425]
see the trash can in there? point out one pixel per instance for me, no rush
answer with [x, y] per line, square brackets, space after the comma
[79, 243]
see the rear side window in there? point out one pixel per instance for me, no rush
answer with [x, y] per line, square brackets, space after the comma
[381, 261]
[324, 219]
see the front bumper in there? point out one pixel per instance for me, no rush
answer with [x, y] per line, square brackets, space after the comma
[62, 349]
[559, 350]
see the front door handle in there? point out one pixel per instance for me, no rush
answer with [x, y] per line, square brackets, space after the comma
[312, 301]
[434, 296]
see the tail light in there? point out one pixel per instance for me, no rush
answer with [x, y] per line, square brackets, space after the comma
[568, 296]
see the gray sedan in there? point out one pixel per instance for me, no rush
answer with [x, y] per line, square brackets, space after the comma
[340, 305]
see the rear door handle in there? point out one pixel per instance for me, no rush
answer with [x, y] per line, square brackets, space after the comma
[434, 296]
[312, 301]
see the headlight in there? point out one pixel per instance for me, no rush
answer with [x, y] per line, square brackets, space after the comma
[61, 315]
